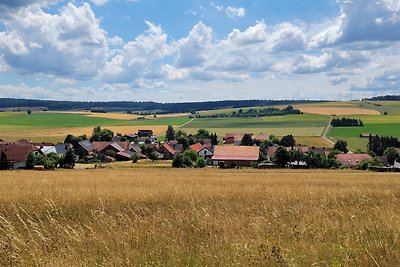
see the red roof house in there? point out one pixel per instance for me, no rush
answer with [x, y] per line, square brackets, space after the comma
[235, 155]
[352, 160]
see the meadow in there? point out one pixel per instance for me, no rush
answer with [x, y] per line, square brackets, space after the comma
[209, 217]
[299, 125]
[54, 126]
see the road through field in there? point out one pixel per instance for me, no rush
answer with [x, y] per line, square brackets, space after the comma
[325, 133]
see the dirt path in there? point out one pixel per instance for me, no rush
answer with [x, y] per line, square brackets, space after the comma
[325, 132]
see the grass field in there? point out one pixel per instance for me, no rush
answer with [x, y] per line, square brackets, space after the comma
[152, 217]
[298, 125]
[53, 127]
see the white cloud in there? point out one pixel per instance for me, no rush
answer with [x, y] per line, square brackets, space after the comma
[70, 44]
[235, 12]
[135, 59]
[99, 2]
[194, 48]
[362, 21]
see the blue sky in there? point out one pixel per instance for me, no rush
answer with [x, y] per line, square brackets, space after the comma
[195, 50]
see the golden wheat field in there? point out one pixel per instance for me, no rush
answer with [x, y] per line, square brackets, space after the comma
[153, 217]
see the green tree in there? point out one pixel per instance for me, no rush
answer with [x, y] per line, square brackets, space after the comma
[153, 156]
[390, 153]
[282, 156]
[187, 161]
[247, 140]
[296, 155]
[177, 162]
[288, 141]
[30, 161]
[5, 163]
[203, 134]
[341, 145]
[170, 134]
[68, 161]
[183, 140]
[191, 154]
[201, 163]
[135, 158]
[29, 112]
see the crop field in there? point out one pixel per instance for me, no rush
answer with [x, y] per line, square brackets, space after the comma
[199, 218]
[298, 125]
[54, 126]
[388, 125]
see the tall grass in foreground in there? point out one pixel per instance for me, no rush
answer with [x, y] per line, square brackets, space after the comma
[199, 217]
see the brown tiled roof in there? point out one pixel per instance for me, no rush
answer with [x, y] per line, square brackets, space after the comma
[272, 151]
[261, 137]
[17, 152]
[246, 153]
[169, 148]
[235, 136]
[196, 147]
[352, 159]
[100, 146]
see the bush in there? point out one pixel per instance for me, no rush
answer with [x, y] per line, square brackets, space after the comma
[135, 158]
[201, 163]
[177, 162]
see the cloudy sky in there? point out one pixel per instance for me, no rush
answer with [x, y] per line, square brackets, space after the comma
[195, 50]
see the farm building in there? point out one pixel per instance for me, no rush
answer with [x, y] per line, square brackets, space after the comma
[233, 138]
[58, 149]
[145, 133]
[231, 156]
[167, 151]
[17, 153]
[102, 147]
[352, 160]
[202, 150]
[261, 137]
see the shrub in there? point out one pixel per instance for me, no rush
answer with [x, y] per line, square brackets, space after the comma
[201, 163]
[135, 158]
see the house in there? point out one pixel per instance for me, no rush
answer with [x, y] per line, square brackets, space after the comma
[352, 160]
[261, 137]
[102, 147]
[234, 138]
[167, 151]
[271, 151]
[202, 150]
[58, 149]
[86, 148]
[231, 156]
[145, 133]
[17, 153]
[177, 147]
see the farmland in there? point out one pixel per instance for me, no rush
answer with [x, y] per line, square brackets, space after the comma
[199, 217]
[299, 125]
[54, 126]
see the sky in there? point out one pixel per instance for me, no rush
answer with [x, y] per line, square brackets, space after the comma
[199, 50]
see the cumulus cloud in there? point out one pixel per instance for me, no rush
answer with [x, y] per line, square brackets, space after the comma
[234, 12]
[194, 48]
[362, 21]
[68, 44]
[136, 58]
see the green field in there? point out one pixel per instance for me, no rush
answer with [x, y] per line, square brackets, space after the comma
[300, 125]
[54, 126]
[58, 120]
[373, 124]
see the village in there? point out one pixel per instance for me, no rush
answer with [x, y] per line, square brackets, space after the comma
[234, 150]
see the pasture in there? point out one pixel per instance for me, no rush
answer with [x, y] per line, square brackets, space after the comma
[54, 126]
[298, 125]
[199, 218]
[381, 125]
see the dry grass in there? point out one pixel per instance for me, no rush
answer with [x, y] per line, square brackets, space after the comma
[199, 217]
[326, 110]
[123, 116]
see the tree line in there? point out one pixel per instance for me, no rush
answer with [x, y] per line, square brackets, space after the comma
[346, 122]
[141, 106]
[255, 112]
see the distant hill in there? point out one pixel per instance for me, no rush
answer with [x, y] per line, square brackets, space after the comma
[141, 106]
[385, 98]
